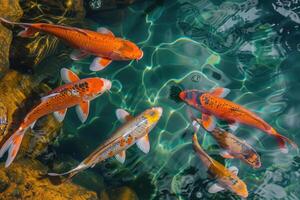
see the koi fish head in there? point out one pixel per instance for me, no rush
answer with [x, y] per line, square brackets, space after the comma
[252, 158]
[237, 186]
[150, 118]
[96, 87]
[129, 51]
[191, 97]
[153, 114]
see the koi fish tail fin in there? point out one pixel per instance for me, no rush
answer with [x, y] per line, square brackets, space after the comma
[282, 140]
[29, 29]
[12, 145]
[69, 174]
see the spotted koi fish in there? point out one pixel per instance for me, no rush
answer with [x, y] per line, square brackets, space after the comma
[75, 92]
[212, 104]
[103, 44]
[233, 147]
[134, 130]
[226, 177]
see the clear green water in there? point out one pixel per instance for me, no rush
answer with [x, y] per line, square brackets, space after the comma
[246, 46]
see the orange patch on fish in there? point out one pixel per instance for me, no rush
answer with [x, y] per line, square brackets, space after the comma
[122, 142]
[130, 139]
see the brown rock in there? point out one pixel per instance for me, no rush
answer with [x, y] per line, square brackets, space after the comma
[9, 9]
[34, 186]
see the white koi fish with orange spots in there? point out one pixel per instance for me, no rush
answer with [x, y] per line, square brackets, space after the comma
[101, 43]
[135, 130]
[75, 92]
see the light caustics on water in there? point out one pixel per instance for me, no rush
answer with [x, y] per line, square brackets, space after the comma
[198, 44]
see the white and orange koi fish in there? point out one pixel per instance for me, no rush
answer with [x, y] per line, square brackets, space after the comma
[134, 130]
[75, 92]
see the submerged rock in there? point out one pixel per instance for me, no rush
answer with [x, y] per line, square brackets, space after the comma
[34, 186]
[11, 10]
[123, 193]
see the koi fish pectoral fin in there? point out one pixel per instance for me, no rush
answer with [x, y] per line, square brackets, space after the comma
[78, 55]
[105, 31]
[220, 92]
[225, 154]
[144, 144]
[68, 76]
[99, 63]
[123, 116]
[233, 126]
[60, 115]
[214, 188]
[121, 156]
[208, 122]
[234, 170]
[12, 145]
[82, 110]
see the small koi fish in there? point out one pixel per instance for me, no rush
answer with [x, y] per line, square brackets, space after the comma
[134, 130]
[212, 104]
[103, 44]
[233, 147]
[75, 92]
[226, 177]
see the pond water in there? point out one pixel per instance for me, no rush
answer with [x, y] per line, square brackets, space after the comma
[249, 46]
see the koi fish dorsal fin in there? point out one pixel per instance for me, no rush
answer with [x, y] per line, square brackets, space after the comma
[105, 31]
[214, 188]
[82, 110]
[68, 76]
[234, 170]
[122, 115]
[220, 92]
[49, 96]
[121, 156]
[60, 115]
[144, 144]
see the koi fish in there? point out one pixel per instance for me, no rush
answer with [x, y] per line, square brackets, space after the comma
[103, 44]
[226, 177]
[134, 130]
[75, 92]
[233, 147]
[212, 104]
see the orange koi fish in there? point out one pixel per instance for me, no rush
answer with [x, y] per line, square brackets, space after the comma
[226, 177]
[102, 44]
[135, 130]
[233, 147]
[75, 92]
[212, 104]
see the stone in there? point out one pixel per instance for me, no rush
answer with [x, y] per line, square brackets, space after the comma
[37, 186]
[9, 9]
